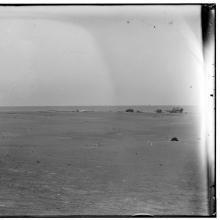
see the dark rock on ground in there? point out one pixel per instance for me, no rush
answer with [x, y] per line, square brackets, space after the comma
[174, 139]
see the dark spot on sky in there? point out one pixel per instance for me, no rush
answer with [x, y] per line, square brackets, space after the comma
[211, 95]
[128, 22]
[171, 22]
[154, 26]
[190, 87]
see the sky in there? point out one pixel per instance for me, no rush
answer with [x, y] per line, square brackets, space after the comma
[100, 55]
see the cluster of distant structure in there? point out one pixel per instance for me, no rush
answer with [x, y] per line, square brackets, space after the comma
[132, 110]
[173, 110]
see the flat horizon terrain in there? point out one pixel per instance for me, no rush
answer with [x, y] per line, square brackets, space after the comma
[100, 163]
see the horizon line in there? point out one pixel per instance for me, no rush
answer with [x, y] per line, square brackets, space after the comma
[97, 105]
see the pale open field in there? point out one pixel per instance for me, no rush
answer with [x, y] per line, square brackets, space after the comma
[100, 163]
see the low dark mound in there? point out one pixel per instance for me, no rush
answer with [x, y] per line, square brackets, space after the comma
[129, 110]
[159, 111]
[175, 110]
[174, 139]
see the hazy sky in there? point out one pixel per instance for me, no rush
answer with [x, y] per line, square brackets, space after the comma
[98, 55]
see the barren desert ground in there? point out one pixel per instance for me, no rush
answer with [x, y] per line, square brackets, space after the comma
[100, 163]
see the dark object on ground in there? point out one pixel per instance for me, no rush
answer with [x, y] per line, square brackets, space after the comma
[175, 110]
[38, 161]
[174, 139]
[129, 110]
[139, 111]
[159, 111]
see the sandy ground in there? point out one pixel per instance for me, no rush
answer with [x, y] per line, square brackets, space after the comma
[100, 163]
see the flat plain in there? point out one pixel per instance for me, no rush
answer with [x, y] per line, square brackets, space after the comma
[100, 163]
